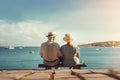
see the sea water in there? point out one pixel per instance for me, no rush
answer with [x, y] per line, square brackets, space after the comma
[29, 58]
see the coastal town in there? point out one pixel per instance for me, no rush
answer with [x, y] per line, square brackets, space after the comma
[102, 44]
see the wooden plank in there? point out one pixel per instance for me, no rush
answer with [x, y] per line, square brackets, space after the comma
[60, 74]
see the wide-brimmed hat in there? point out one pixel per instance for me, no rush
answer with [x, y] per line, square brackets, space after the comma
[68, 38]
[50, 34]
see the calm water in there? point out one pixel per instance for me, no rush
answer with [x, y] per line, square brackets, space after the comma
[17, 58]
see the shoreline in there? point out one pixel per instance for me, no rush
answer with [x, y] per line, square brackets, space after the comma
[67, 74]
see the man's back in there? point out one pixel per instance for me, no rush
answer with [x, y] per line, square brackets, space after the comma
[50, 51]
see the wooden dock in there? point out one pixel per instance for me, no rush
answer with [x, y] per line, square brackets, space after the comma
[75, 74]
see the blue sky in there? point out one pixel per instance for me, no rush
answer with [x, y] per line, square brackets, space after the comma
[26, 22]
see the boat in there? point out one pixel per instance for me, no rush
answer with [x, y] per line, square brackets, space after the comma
[98, 49]
[20, 47]
[9, 47]
[31, 52]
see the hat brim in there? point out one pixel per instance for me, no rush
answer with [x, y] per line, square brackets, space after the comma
[67, 39]
[50, 35]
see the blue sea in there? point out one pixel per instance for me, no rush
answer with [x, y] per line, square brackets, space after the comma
[29, 58]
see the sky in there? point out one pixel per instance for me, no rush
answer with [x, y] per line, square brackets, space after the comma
[27, 22]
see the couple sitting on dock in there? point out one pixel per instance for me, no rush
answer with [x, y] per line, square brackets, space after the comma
[54, 55]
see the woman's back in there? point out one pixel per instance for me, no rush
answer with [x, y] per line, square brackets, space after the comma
[68, 54]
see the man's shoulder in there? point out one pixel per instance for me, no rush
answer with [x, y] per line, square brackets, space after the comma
[55, 43]
[44, 43]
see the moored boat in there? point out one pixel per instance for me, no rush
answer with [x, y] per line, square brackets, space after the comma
[9, 47]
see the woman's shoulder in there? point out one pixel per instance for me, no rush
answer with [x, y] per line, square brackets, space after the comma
[64, 45]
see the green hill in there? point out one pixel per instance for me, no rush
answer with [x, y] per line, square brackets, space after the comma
[102, 44]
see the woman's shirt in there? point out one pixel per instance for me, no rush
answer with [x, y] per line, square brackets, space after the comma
[68, 55]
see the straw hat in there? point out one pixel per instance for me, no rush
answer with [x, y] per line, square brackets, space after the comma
[68, 38]
[50, 34]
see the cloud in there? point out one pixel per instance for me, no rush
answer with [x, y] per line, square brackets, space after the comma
[89, 22]
[100, 16]
[96, 21]
[29, 32]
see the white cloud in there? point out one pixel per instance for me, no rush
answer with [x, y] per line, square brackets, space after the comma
[24, 33]
[94, 21]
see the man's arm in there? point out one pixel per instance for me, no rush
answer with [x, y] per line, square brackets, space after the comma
[41, 50]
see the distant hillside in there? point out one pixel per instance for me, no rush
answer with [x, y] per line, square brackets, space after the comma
[102, 44]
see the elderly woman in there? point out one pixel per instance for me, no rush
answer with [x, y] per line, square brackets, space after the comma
[71, 54]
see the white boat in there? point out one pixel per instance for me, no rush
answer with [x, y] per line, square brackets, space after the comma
[31, 52]
[9, 47]
[98, 49]
[20, 47]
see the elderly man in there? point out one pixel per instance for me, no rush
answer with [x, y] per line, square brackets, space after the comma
[50, 51]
